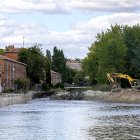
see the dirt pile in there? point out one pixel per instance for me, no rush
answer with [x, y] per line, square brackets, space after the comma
[125, 96]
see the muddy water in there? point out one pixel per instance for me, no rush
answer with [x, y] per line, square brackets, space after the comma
[42, 119]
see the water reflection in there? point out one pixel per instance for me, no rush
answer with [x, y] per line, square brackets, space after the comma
[43, 119]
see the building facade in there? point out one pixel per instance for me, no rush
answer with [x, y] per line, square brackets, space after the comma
[55, 77]
[72, 64]
[10, 70]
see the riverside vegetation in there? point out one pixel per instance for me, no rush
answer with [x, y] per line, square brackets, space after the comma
[115, 50]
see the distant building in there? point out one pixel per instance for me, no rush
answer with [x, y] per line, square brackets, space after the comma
[9, 70]
[12, 52]
[74, 65]
[55, 77]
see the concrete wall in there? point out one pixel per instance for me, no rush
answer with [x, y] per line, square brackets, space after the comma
[9, 99]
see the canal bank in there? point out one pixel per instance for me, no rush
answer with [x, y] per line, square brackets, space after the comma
[12, 98]
[124, 96]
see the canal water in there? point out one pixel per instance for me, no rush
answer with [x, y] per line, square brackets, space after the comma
[44, 119]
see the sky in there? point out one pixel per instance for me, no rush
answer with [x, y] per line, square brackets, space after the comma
[71, 25]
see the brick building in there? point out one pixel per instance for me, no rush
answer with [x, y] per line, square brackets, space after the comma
[12, 52]
[55, 77]
[9, 70]
[11, 56]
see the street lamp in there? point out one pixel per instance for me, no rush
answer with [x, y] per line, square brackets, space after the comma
[13, 69]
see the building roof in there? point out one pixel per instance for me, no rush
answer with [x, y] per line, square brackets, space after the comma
[2, 57]
[54, 72]
[11, 48]
[13, 51]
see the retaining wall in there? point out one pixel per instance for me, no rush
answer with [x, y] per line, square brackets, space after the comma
[11, 98]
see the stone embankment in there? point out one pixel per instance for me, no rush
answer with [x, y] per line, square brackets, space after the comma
[11, 98]
[125, 96]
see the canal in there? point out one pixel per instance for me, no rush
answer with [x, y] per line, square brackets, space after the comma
[44, 119]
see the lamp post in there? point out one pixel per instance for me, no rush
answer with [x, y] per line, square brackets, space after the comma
[13, 70]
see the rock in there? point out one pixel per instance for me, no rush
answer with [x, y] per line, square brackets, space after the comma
[74, 95]
[59, 95]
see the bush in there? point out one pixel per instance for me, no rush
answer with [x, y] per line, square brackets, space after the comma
[46, 87]
[59, 85]
[21, 85]
[9, 90]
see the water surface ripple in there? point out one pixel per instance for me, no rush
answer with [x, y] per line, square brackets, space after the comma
[44, 119]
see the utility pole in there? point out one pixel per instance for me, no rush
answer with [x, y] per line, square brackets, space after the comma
[23, 41]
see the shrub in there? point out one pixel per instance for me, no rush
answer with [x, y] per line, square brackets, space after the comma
[46, 87]
[21, 85]
[9, 90]
[59, 85]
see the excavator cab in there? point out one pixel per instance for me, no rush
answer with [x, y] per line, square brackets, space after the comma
[134, 83]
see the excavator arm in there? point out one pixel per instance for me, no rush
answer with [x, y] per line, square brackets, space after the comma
[133, 82]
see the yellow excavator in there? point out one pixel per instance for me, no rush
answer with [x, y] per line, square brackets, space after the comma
[112, 77]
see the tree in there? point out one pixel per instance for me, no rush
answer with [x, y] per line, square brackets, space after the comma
[79, 78]
[90, 64]
[110, 50]
[48, 67]
[59, 63]
[48, 55]
[34, 59]
[132, 41]
[1, 51]
[70, 75]
[106, 54]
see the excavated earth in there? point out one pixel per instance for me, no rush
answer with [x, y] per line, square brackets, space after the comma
[127, 96]
[124, 96]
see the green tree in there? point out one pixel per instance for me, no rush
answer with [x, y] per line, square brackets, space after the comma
[48, 67]
[79, 78]
[70, 75]
[90, 64]
[34, 59]
[1, 51]
[59, 63]
[110, 51]
[132, 41]
[106, 54]
[48, 55]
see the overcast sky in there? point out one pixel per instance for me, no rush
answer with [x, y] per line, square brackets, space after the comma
[70, 25]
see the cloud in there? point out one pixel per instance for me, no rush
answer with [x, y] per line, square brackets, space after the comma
[106, 5]
[44, 6]
[66, 6]
[101, 23]
[74, 42]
